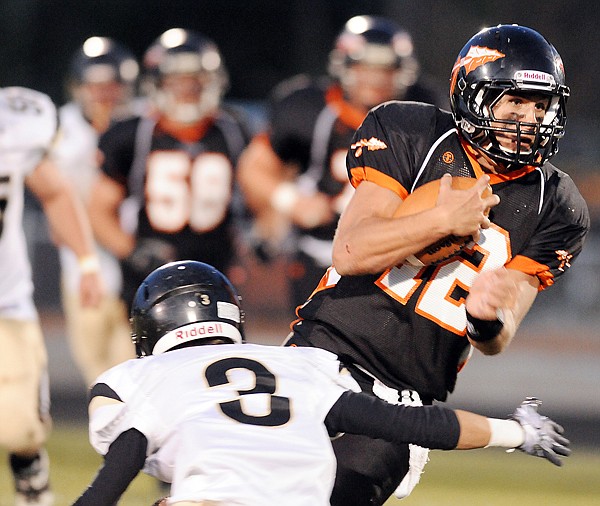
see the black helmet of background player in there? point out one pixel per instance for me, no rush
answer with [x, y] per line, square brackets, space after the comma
[374, 42]
[184, 302]
[102, 77]
[184, 75]
[515, 60]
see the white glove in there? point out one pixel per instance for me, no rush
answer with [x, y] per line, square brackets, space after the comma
[543, 436]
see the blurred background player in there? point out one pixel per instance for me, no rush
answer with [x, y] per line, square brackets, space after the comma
[28, 127]
[251, 424]
[167, 188]
[296, 173]
[100, 85]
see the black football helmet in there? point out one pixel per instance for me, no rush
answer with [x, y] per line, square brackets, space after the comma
[183, 302]
[508, 59]
[102, 59]
[102, 78]
[181, 51]
[376, 41]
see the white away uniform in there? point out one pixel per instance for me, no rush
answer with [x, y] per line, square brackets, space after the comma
[27, 128]
[99, 336]
[227, 423]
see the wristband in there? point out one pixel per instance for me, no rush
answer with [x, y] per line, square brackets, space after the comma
[88, 264]
[484, 330]
[505, 433]
[284, 197]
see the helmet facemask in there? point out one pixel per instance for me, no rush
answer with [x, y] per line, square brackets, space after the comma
[515, 61]
[189, 112]
[535, 142]
[102, 79]
[376, 43]
[186, 55]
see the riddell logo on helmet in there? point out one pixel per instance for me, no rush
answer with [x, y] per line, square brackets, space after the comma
[199, 331]
[535, 76]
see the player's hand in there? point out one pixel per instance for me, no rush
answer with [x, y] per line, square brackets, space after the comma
[543, 436]
[311, 211]
[91, 289]
[466, 210]
[492, 291]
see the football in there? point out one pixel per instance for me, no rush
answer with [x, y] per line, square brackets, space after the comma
[425, 197]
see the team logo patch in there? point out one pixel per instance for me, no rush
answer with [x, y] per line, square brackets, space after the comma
[371, 144]
[564, 257]
[448, 157]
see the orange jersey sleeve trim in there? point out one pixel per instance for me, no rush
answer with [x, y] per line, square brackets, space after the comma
[529, 266]
[360, 174]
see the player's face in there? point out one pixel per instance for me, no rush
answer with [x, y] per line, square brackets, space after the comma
[370, 85]
[100, 100]
[184, 88]
[529, 108]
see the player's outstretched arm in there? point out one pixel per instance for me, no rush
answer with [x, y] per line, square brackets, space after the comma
[525, 430]
[438, 427]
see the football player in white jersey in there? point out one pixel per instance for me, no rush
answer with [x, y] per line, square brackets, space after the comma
[28, 125]
[101, 82]
[230, 423]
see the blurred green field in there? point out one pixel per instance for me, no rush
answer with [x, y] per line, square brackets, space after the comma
[474, 478]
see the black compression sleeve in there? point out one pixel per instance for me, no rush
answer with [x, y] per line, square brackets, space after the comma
[123, 461]
[428, 426]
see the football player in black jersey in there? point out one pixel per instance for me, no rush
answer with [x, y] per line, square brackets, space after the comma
[296, 173]
[404, 330]
[167, 191]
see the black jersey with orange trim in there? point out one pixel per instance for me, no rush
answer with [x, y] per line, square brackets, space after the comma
[406, 326]
[311, 128]
[185, 191]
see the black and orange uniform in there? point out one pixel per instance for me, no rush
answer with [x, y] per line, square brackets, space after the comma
[406, 326]
[180, 187]
[311, 127]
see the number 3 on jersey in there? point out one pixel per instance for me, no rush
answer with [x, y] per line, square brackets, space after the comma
[446, 288]
[278, 409]
[181, 191]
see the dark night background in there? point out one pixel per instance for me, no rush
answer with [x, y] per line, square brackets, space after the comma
[264, 41]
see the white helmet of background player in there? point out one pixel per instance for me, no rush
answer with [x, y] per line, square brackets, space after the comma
[102, 77]
[184, 75]
[374, 42]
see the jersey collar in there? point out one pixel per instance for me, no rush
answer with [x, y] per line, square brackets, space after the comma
[494, 178]
[185, 133]
[349, 115]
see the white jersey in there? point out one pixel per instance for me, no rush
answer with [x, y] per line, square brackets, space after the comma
[236, 424]
[76, 154]
[27, 127]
